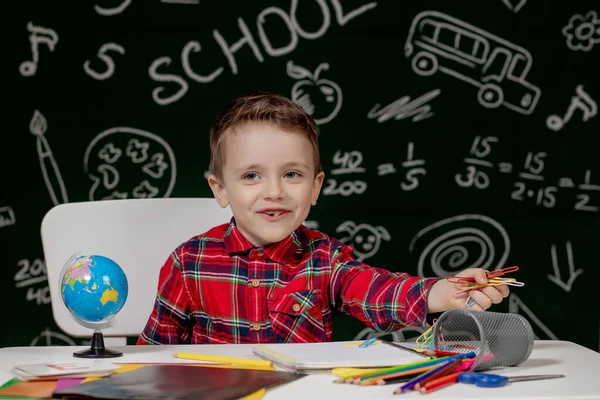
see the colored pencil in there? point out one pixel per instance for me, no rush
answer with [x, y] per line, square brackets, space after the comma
[440, 383]
[410, 385]
[449, 368]
[413, 371]
[425, 363]
[438, 353]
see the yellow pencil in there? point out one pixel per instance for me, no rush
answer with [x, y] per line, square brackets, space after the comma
[223, 360]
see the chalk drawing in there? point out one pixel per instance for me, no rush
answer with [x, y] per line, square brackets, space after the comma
[405, 108]
[50, 171]
[38, 35]
[498, 68]
[125, 162]
[110, 64]
[106, 12]
[364, 238]
[7, 216]
[582, 32]
[540, 331]
[582, 101]
[50, 338]
[573, 274]
[514, 5]
[320, 98]
[459, 242]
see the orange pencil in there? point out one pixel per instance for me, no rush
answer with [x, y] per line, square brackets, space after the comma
[441, 373]
[440, 382]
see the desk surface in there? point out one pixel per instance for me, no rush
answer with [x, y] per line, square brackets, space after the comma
[580, 365]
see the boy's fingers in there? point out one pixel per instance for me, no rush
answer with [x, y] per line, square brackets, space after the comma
[475, 307]
[477, 273]
[493, 293]
[504, 290]
[484, 301]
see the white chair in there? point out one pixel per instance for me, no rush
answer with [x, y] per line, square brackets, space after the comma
[138, 234]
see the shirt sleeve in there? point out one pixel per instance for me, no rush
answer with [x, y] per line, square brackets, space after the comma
[169, 322]
[383, 300]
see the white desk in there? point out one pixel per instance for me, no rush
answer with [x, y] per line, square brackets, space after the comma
[580, 365]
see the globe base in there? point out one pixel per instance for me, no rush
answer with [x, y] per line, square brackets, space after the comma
[97, 349]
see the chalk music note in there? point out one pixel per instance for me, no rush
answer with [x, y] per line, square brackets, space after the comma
[582, 101]
[38, 35]
[50, 171]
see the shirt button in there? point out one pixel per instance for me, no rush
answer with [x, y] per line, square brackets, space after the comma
[296, 307]
[260, 253]
[255, 326]
[255, 283]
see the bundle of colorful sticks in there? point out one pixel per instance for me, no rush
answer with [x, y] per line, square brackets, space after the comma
[423, 376]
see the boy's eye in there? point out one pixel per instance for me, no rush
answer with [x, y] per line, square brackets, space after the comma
[250, 176]
[292, 174]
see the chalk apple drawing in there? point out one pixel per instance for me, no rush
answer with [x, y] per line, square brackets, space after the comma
[320, 98]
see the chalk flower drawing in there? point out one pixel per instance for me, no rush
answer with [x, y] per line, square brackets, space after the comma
[582, 32]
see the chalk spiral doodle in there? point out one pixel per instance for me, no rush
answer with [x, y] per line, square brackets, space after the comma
[459, 242]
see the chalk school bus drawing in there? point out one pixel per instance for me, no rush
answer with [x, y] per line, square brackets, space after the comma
[439, 42]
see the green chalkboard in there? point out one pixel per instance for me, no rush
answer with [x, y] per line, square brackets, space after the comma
[453, 134]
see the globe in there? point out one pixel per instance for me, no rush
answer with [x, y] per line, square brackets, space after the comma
[93, 289]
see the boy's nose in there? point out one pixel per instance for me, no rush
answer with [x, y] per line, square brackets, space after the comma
[274, 190]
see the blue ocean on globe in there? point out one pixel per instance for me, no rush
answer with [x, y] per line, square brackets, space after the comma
[94, 288]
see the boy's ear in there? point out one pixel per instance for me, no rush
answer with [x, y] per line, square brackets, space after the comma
[218, 190]
[316, 189]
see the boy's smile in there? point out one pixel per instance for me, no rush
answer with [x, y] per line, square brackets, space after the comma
[268, 180]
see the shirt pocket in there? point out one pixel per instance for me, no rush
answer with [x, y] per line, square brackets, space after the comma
[297, 317]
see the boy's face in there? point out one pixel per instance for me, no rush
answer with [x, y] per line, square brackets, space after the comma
[268, 180]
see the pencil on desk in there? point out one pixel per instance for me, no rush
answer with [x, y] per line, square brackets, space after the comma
[440, 383]
[223, 360]
[443, 371]
[433, 361]
[437, 353]
[382, 380]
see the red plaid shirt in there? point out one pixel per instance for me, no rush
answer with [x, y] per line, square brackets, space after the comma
[220, 288]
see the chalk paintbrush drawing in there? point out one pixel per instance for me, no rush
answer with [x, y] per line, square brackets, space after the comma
[50, 171]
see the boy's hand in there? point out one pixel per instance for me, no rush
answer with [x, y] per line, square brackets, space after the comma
[440, 296]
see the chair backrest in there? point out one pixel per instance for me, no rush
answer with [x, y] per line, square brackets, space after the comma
[138, 234]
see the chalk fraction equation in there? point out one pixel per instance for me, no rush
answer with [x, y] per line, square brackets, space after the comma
[34, 277]
[350, 162]
[531, 185]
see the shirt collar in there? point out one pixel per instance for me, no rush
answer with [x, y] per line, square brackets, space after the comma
[280, 252]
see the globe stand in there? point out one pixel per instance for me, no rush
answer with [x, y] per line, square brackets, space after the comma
[97, 349]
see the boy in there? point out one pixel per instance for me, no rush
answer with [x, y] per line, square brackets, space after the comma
[264, 277]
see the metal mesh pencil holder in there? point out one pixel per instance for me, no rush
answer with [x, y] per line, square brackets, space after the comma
[499, 339]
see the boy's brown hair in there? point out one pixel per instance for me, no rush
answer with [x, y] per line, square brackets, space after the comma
[260, 106]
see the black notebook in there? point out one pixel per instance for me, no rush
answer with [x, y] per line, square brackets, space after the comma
[174, 382]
